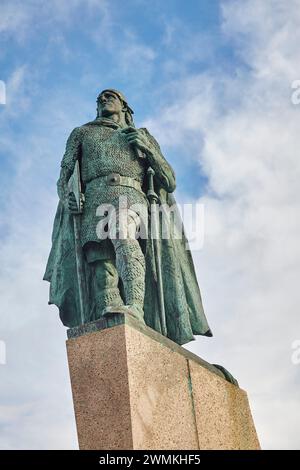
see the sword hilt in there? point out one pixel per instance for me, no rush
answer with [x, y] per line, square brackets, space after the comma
[151, 194]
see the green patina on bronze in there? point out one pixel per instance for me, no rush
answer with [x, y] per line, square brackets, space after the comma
[147, 276]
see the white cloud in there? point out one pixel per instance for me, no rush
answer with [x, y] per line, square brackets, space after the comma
[2, 92]
[36, 407]
[17, 92]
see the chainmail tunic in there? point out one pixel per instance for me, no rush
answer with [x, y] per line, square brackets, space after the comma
[104, 151]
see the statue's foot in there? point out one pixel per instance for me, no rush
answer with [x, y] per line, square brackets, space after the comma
[133, 310]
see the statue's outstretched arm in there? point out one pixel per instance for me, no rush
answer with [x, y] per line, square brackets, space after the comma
[72, 153]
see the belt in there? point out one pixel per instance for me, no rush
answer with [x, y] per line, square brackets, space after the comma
[115, 179]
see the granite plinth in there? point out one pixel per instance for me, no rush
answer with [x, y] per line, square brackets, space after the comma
[135, 389]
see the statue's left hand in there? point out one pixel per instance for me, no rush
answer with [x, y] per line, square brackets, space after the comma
[72, 204]
[136, 138]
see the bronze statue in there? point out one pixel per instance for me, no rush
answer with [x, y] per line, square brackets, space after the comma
[93, 273]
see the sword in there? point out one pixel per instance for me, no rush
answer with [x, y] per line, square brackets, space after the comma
[153, 199]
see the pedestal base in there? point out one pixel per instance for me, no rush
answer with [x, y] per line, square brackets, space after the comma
[134, 389]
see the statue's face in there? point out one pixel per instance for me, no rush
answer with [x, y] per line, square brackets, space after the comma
[109, 104]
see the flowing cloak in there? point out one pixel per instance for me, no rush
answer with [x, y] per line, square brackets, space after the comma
[182, 299]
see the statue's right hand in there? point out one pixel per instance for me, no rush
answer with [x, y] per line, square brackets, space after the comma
[72, 204]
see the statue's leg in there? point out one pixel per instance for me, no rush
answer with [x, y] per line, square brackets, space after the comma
[130, 263]
[106, 286]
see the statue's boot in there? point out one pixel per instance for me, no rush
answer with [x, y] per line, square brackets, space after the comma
[109, 297]
[106, 289]
[130, 264]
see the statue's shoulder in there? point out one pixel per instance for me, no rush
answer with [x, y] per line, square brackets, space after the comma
[80, 130]
[78, 133]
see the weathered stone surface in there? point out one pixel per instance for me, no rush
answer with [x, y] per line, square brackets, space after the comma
[115, 319]
[162, 415]
[136, 390]
[223, 415]
[99, 379]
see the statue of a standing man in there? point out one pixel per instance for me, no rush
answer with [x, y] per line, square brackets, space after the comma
[120, 271]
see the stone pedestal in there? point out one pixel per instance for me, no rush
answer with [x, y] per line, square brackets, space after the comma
[134, 389]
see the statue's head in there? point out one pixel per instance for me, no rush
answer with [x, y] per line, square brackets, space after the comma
[111, 102]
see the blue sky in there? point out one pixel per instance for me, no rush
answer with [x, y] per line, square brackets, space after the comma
[212, 81]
